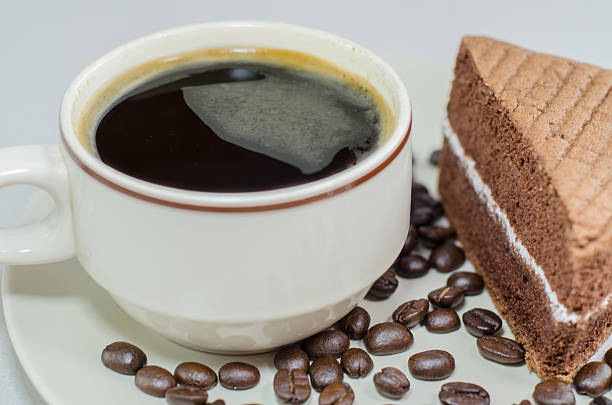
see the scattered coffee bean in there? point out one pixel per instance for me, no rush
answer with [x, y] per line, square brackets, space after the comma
[435, 235]
[388, 338]
[471, 283]
[608, 357]
[418, 188]
[446, 297]
[326, 343]
[292, 386]
[196, 375]
[384, 286]
[479, 322]
[593, 379]
[356, 363]
[292, 358]
[553, 392]
[391, 383]
[422, 215]
[442, 320]
[124, 358]
[411, 313]
[501, 349]
[325, 371]
[238, 376]
[154, 380]
[447, 257]
[411, 240]
[420, 197]
[435, 157]
[431, 365]
[355, 324]
[412, 266]
[186, 396]
[337, 394]
[601, 401]
[461, 393]
[218, 402]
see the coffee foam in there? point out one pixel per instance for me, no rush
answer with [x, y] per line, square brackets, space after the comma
[135, 77]
[300, 118]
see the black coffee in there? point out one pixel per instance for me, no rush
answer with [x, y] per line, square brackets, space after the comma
[238, 126]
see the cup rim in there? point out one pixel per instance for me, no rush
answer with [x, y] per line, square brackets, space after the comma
[266, 200]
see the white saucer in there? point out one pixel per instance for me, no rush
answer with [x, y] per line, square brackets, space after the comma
[59, 320]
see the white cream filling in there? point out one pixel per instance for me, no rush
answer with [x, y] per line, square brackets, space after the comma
[559, 311]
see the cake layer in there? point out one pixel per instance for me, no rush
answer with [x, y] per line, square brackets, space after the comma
[558, 341]
[511, 108]
[564, 110]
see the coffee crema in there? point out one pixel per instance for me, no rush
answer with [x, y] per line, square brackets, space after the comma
[234, 120]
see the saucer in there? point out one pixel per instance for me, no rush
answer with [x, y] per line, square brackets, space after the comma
[59, 319]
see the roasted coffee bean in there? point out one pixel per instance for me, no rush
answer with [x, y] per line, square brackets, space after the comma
[446, 297]
[186, 396]
[384, 286]
[411, 240]
[418, 188]
[292, 358]
[154, 380]
[238, 376]
[435, 157]
[435, 235]
[325, 371]
[388, 338]
[356, 363]
[412, 266]
[420, 197]
[337, 394]
[601, 401]
[501, 349]
[442, 320]
[461, 393]
[553, 392]
[422, 215]
[411, 313]
[471, 283]
[124, 358]
[196, 375]
[593, 379]
[447, 257]
[431, 365]
[292, 386]
[608, 357]
[326, 343]
[218, 402]
[479, 322]
[355, 324]
[391, 383]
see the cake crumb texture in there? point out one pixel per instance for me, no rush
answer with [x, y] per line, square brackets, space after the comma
[539, 128]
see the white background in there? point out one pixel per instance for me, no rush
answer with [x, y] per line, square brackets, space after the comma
[44, 44]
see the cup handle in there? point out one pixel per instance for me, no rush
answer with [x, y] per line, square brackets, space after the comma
[52, 239]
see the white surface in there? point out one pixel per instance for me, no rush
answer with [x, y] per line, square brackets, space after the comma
[45, 44]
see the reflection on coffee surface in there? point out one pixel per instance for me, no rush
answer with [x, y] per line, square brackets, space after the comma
[237, 126]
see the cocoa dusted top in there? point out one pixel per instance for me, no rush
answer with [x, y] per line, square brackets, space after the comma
[564, 110]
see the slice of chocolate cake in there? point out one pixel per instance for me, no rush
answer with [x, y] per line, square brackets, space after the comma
[526, 179]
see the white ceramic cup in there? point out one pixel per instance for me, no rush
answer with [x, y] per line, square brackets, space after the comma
[223, 272]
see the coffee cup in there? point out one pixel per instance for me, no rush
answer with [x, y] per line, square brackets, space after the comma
[224, 272]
